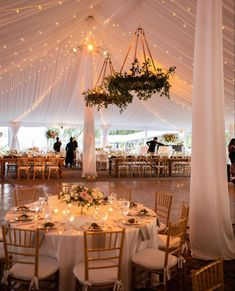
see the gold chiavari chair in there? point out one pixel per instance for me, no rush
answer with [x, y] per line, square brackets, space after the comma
[24, 266]
[53, 167]
[24, 196]
[23, 166]
[161, 165]
[162, 208]
[123, 166]
[121, 192]
[103, 257]
[38, 166]
[102, 162]
[166, 263]
[209, 277]
[182, 238]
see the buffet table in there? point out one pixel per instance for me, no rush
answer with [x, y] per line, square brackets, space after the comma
[64, 241]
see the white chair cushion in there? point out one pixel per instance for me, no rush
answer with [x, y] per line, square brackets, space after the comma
[47, 266]
[161, 227]
[153, 259]
[1, 251]
[174, 242]
[98, 276]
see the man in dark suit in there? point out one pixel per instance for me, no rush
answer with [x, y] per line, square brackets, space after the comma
[152, 145]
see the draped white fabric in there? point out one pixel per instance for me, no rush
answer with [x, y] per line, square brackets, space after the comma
[211, 234]
[14, 128]
[89, 156]
[40, 78]
[105, 132]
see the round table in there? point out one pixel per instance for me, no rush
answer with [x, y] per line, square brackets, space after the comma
[65, 241]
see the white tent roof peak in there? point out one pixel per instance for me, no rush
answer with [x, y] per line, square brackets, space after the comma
[41, 80]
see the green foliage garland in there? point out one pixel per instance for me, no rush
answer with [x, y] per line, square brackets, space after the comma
[120, 88]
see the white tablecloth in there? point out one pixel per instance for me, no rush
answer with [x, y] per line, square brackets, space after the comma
[66, 245]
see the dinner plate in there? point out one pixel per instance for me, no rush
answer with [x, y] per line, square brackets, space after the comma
[24, 218]
[24, 209]
[87, 227]
[44, 227]
[147, 213]
[132, 223]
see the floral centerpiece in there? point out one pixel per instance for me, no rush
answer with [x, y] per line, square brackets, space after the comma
[51, 133]
[81, 195]
[170, 137]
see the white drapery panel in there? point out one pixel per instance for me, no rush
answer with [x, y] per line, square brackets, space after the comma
[14, 128]
[211, 234]
[105, 132]
[89, 157]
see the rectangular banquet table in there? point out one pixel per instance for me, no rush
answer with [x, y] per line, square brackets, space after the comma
[14, 160]
[65, 242]
[114, 162]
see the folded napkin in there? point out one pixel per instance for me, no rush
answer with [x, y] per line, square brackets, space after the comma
[144, 233]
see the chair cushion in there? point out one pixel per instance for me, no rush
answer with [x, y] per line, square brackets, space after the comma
[97, 276]
[161, 227]
[174, 242]
[47, 267]
[153, 259]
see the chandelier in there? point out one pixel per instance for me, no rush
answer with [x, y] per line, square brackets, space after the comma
[143, 79]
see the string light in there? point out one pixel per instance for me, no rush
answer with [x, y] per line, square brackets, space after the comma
[48, 4]
[41, 98]
[90, 47]
[157, 115]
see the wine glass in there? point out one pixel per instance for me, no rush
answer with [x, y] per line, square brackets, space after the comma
[42, 201]
[125, 207]
[37, 207]
[112, 198]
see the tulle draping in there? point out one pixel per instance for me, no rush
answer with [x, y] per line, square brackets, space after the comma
[89, 156]
[14, 128]
[40, 78]
[211, 234]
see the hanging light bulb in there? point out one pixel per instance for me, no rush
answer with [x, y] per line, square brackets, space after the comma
[90, 47]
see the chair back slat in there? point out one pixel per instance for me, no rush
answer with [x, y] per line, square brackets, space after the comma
[175, 230]
[24, 196]
[122, 192]
[21, 246]
[209, 277]
[163, 206]
[104, 247]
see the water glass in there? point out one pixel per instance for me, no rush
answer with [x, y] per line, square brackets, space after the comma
[125, 207]
[112, 198]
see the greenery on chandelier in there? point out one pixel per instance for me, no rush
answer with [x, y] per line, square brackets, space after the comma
[119, 89]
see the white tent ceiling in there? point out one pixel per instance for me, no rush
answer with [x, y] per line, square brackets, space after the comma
[41, 80]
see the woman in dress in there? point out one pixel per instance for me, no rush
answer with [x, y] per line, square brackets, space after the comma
[69, 153]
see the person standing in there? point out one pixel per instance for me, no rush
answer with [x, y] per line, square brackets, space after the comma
[69, 159]
[152, 145]
[75, 145]
[57, 145]
[231, 155]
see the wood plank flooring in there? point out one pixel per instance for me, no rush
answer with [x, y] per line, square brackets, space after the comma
[143, 191]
